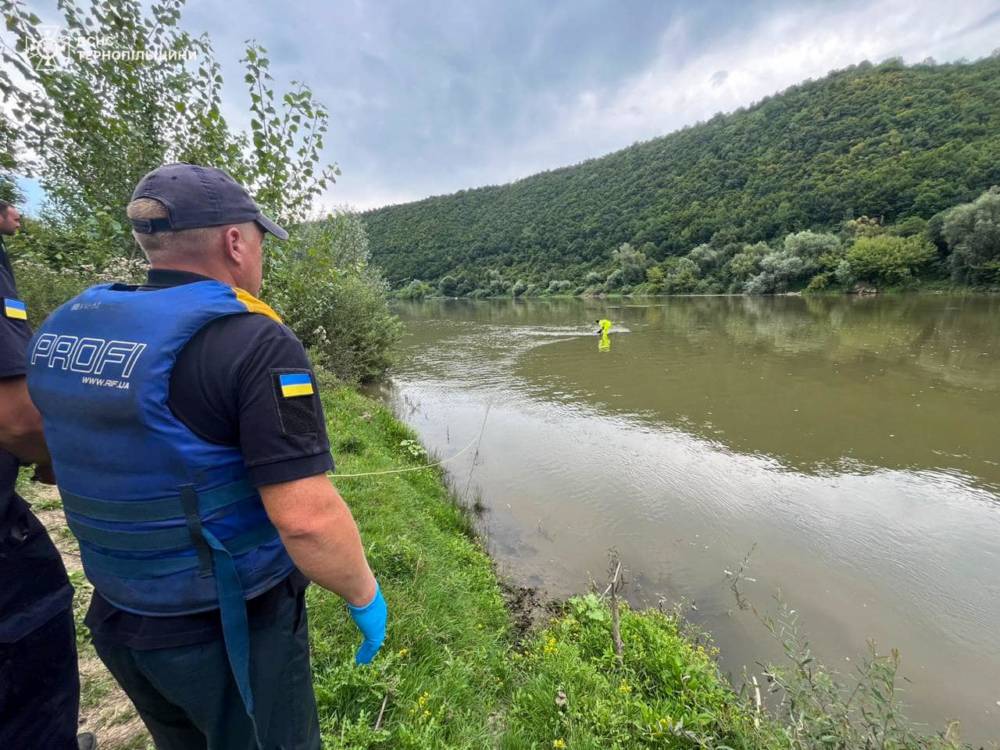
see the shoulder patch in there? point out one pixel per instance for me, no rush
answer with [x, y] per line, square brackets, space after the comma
[15, 309]
[298, 406]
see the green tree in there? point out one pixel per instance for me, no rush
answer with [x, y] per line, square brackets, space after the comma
[631, 262]
[681, 275]
[811, 245]
[98, 122]
[8, 163]
[973, 234]
[655, 278]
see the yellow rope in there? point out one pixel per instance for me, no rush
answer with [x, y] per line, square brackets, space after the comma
[411, 468]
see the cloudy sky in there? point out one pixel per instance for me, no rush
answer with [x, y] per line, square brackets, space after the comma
[430, 97]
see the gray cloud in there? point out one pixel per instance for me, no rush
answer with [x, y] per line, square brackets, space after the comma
[428, 98]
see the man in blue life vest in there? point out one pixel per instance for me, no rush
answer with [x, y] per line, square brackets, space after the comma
[190, 450]
[39, 683]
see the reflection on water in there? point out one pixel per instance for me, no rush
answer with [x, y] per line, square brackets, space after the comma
[852, 440]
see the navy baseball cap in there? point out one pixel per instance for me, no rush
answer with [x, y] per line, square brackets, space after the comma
[196, 197]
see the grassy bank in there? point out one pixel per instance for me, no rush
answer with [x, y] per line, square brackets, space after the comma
[458, 669]
[453, 670]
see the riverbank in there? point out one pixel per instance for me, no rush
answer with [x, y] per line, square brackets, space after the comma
[458, 670]
[932, 287]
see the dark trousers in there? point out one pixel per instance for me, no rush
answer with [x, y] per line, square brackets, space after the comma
[188, 698]
[40, 688]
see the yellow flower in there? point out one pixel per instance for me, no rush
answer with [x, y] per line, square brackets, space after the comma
[403, 652]
[550, 646]
[624, 688]
[559, 743]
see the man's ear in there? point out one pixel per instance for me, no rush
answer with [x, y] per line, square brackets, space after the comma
[235, 245]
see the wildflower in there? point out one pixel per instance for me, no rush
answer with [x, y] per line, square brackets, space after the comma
[402, 652]
[559, 743]
[550, 646]
[624, 688]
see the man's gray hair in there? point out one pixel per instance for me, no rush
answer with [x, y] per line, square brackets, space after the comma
[183, 242]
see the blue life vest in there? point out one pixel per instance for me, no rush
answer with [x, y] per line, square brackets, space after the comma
[168, 523]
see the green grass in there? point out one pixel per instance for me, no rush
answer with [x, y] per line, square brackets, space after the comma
[450, 673]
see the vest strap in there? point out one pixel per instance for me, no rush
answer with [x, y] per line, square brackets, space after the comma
[189, 501]
[159, 509]
[175, 537]
[233, 613]
[143, 568]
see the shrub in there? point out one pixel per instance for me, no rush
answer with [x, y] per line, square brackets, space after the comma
[655, 278]
[888, 259]
[819, 282]
[416, 290]
[821, 709]
[448, 286]
[784, 269]
[560, 286]
[340, 314]
[58, 244]
[44, 288]
[811, 245]
[614, 281]
[744, 265]
[681, 275]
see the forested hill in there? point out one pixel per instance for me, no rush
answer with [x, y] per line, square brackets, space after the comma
[885, 140]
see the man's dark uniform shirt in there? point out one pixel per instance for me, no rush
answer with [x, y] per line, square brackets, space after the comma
[223, 389]
[33, 583]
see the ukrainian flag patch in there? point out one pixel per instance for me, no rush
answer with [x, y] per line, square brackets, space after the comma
[15, 309]
[295, 384]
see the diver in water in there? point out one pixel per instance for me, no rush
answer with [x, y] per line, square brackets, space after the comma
[604, 327]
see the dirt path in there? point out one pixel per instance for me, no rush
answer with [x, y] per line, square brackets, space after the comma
[104, 709]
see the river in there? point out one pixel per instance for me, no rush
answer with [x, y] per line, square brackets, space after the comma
[848, 445]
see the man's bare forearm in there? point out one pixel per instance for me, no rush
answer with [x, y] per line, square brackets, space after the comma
[321, 537]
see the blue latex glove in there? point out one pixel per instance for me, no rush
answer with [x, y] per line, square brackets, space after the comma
[370, 620]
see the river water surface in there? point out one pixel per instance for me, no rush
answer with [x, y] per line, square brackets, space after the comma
[851, 443]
